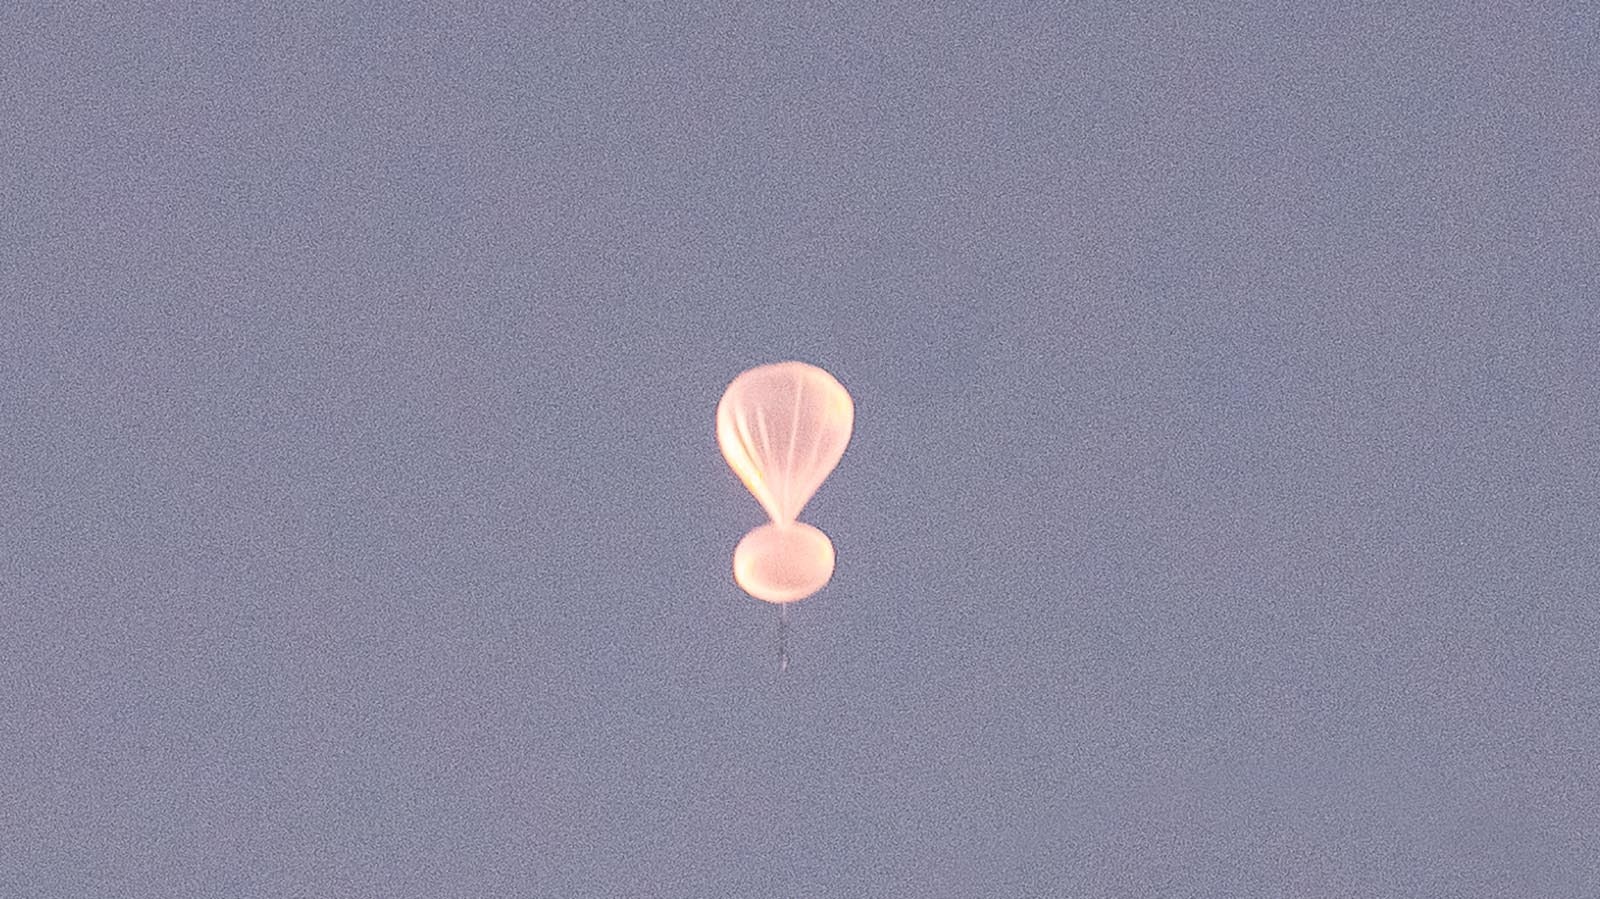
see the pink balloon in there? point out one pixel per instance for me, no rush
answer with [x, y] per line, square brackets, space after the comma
[783, 428]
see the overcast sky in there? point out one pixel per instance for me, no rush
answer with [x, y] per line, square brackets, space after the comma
[1222, 517]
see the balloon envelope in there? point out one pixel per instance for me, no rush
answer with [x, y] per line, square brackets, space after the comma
[783, 427]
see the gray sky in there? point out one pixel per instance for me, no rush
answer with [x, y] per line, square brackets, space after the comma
[1221, 517]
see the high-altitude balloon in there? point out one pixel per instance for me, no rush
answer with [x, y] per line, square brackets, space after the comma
[783, 428]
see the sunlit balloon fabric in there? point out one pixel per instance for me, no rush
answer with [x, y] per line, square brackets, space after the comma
[783, 428]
